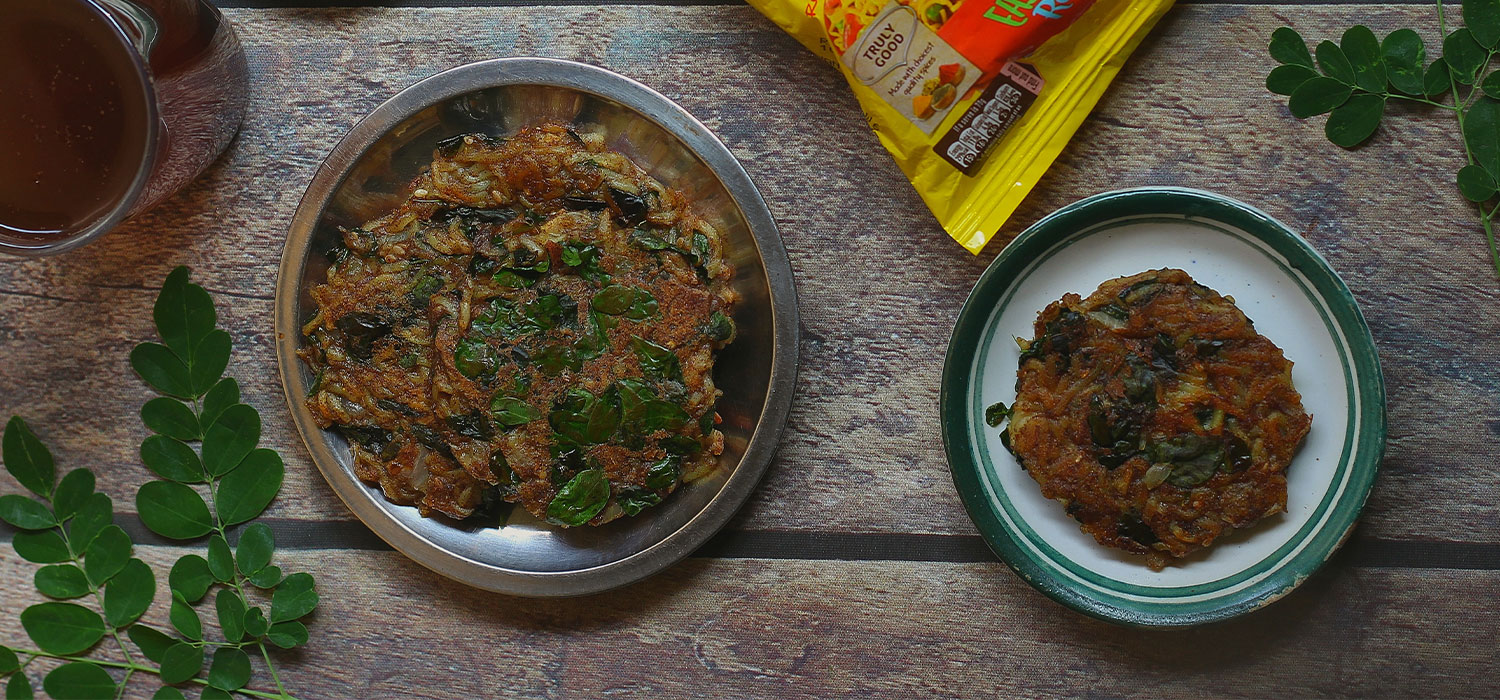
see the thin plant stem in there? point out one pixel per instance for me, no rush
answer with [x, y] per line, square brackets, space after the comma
[229, 645]
[1423, 100]
[38, 653]
[129, 664]
[114, 632]
[1488, 221]
[1468, 155]
[236, 581]
[124, 682]
[272, 667]
[133, 667]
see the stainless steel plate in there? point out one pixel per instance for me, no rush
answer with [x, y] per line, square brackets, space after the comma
[367, 174]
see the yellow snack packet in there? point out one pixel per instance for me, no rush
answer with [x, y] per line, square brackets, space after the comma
[974, 98]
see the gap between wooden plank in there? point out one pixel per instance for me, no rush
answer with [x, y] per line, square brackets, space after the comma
[845, 546]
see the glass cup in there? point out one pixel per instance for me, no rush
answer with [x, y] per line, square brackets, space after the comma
[111, 106]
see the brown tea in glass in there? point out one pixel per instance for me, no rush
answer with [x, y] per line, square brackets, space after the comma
[107, 107]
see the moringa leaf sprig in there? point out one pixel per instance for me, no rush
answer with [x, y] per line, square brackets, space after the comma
[99, 590]
[1351, 82]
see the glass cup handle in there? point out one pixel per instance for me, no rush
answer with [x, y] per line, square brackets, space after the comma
[138, 22]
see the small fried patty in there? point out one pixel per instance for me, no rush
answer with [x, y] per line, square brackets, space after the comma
[1156, 414]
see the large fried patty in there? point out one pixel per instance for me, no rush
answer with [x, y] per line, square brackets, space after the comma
[535, 323]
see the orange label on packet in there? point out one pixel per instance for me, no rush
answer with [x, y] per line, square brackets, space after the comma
[942, 84]
[921, 56]
[990, 33]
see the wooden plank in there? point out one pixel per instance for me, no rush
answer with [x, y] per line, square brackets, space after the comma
[285, 4]
[747, 628]
[863, 452]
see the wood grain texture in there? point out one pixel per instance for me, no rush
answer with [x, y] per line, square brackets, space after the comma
[386, 628]
[863, 452]
[880, 286]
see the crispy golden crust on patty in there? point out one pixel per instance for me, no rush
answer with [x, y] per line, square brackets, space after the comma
[535, 323]
[1156, 414]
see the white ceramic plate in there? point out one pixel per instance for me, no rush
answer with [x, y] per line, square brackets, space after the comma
[1295, 300]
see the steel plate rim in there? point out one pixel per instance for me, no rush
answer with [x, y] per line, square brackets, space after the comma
[786, 326]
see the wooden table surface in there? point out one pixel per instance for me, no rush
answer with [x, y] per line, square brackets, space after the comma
[854, 570]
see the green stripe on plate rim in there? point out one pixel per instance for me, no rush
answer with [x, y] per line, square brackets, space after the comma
[1136, 592]
[1084, 590]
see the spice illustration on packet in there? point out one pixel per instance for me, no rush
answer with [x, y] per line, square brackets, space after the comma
[912, 61]
[900, 57]
[974, 98]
